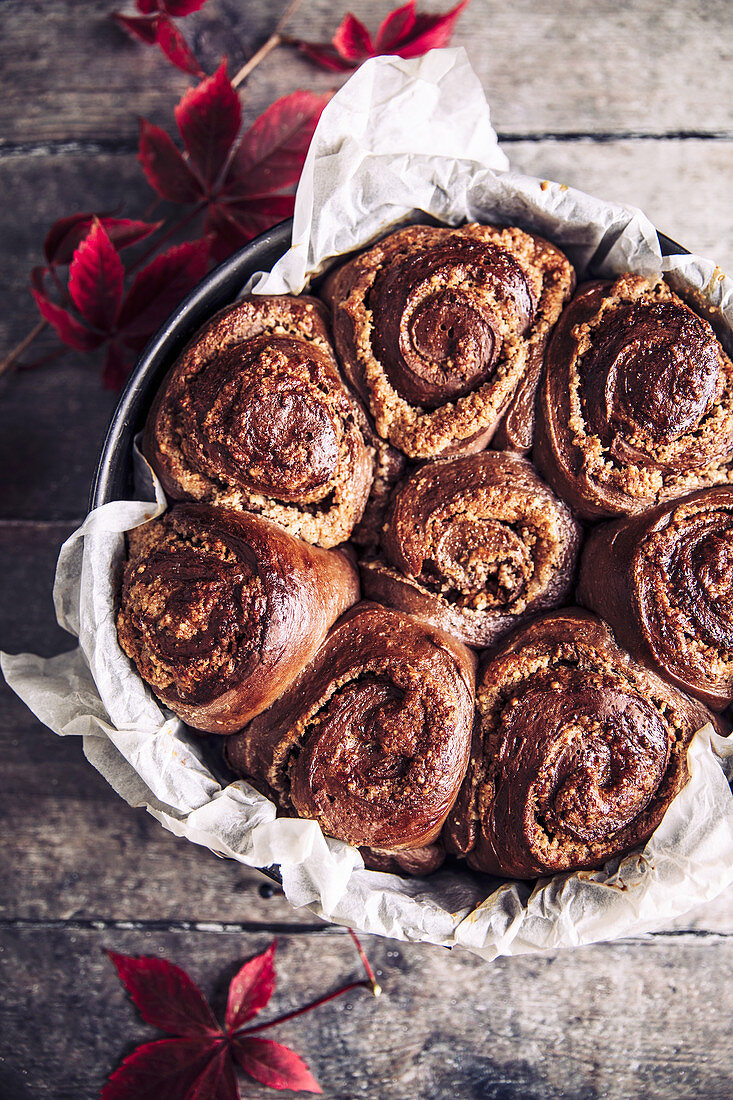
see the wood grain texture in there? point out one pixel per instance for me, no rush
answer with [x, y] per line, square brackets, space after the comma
[657, 67]
[447, 1024]
[630, 101]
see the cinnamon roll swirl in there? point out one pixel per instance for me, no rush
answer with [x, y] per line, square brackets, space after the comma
[438, 328]
[577, 754]
[372, 739]
[664, 581]
[220, 610]
[636, 405]
[254, 416]
[474, 545]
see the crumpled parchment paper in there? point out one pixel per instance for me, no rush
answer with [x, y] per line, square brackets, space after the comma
[400, 140]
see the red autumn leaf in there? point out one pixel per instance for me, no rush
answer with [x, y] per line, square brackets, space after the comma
[239, 180]
[251, 988]
[165, 996]
[229, 225]
[209, 117]
[167, 1069]
[165, 166]
[159, 288]
[324, 54]
[175, 47]
[273, 1064]
[72, 332]
[270, 156]
[96, 277]
[218, 1081]
[403, 32]
[199, 1065]
[396, 26]
[67, 233]
[153, 26]
[352, 40]
[428, 32]
[142, 27]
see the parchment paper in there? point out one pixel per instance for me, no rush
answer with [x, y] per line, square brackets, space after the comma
[401, 140]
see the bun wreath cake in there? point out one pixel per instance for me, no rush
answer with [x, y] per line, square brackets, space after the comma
[474, 545]
[442, 333]
[220, 610]
[372, 739]
[664, 581]
[636, 403]
[577, 753]
[254, 415]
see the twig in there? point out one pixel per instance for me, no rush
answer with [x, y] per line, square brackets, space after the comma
[271, 44]
[18, 350]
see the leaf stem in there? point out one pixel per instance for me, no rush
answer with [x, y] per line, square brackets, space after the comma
[18, 350]
[271, 44]
[361, 984]
[170, 232]
[373, 983]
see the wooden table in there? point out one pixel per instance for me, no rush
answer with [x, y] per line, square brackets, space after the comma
[632, 101]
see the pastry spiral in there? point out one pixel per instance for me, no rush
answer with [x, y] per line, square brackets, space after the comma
[474, 545]
[255, 416]
[372, 739]
[636, 405]
[664, 581]
[438, 328]
[220, 610]
[577, 755]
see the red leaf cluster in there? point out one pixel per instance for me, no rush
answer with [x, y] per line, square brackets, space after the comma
[153, 25]
[198, 1062]
[238, 180]
[92, 309]
[404, 32]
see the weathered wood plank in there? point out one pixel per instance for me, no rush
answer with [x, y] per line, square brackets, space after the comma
[655, 67]
[617, 1021]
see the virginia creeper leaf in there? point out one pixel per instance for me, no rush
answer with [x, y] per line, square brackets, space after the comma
[164, 165]
[159, 288]
[209, 117]
[72, 332]
[165, 996]
[142, 27]
[175, 47]
[352, 40]
[430, 32]
[403, 32]
[167, 1069]
[273, 1064]
[218, 1081]
[96, 277]
[66, 233]
[251, 988]
[270, 155]
[395, 27]
[180, 8]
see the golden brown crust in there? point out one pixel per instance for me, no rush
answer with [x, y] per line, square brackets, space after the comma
[372, 739]
[664, 581]
[577, 754]
[220, 610]
[436, 329]
[474, 545]
[636, 402]
[254, 416]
